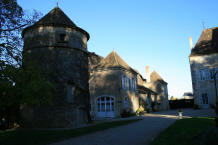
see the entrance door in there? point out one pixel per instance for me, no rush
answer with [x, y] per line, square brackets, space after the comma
[205, 100]
[105, 106]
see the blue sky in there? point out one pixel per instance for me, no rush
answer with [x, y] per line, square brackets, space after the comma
[142, 32]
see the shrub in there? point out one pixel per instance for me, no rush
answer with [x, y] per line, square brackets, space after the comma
[139, 111]
[153, 106]
[125, 113]
[212, 106]
[148, 110]
[196, 106]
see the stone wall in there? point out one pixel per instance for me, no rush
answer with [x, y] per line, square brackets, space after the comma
[203, 86]
[65, 64]
[109, 82]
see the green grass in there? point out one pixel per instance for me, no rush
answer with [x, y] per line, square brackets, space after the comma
[184, 131]
[42, 137]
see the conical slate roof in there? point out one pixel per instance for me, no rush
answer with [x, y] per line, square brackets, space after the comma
[56, 17]
[207, 43]
[113, 60]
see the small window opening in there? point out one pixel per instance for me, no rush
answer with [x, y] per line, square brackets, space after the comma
[62, 37]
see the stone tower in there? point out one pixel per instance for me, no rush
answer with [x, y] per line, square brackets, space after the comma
[59, 49]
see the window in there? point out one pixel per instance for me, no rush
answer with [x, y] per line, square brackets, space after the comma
[124, 82]
[204, 98]
[128, 83]
[105, 104]
[212, 72]
[203, 74]
[62, 37]
[216, 70]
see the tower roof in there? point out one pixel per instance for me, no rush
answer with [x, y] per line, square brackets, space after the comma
[56, 17]
[113, 60]
[207, 43]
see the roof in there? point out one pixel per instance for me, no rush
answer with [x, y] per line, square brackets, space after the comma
[145, 90]
[56, 17]
[113, 60]
[94, 59]
[156, 77]
[207, 43]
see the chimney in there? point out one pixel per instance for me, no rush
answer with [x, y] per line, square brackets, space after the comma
[147, 70]
[191, 43]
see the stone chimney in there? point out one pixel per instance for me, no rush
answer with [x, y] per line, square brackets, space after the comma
[147, 70]
[191, 43]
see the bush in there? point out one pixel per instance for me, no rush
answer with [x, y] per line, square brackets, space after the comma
[153, 106]
[148, 110]
[125, 113]
[212, 106]
[139, 111]
[196, 106]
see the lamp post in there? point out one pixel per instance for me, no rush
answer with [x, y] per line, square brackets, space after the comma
[216, 109]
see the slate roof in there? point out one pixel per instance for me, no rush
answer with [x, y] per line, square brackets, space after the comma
[113, 60]
[207, 43]
[56, 17]
[145, 90]
[156, 77]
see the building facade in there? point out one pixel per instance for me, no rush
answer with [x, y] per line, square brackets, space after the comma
[204, 63]
[157, 84]
[113, 87]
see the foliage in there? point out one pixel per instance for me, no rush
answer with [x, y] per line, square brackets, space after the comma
[139, 111]
[196, 106]
[126, 113]
[42, 137]
[212, 106]
[183, 131]
[12, 21]
[153, 106]
[18, 85]
[148, 110]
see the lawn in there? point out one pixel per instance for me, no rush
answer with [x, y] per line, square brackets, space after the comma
[43, 137]
[192, 131]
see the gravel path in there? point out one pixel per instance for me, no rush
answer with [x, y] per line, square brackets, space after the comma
[138, 133]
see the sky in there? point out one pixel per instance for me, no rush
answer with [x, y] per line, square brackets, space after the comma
[144, 33]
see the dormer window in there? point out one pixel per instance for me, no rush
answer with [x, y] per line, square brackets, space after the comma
[62, 37]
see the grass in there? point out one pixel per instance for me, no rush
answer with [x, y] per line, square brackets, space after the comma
[43, 137]
[184, 131]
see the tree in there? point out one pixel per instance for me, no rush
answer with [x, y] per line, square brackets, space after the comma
[12, 21]
[18, 85]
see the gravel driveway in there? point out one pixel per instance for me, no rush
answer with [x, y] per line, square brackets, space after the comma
[137, 133]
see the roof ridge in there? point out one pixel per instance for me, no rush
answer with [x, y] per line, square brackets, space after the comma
[113, 52]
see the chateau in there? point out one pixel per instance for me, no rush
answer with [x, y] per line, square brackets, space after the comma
[204, 64]
[115, 87]
[85, 83]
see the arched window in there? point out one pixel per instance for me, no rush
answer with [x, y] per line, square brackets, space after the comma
[105, 104]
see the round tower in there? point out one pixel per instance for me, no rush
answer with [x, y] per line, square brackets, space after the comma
[59, 49]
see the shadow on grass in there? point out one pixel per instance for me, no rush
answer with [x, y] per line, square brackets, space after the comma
[43, 137]
[184, 131]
